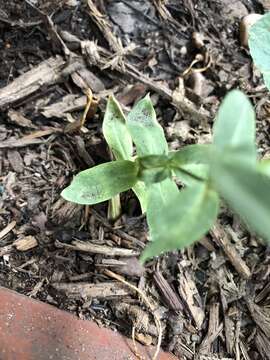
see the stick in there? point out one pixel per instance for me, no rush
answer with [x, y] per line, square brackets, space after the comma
[97, 249]
[147, 302]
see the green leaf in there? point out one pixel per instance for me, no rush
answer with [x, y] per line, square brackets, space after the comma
[119, 140]
[235, 124]
[246, 191]
[145, 131]
[183, 220]
[193, 159]
[259, 45]
[191, 154]
[263, 166]
[154, 168]
[200, 171]
[159, 195]
[115, 131]
[101, 182]
[140, 191]
[153, 161]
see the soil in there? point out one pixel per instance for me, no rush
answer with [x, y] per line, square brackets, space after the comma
[213, 298]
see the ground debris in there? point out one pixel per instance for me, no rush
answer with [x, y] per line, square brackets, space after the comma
[103, 290]
[190, 295]
[263, 343]
[26, 243]
[168, 293]
[222, 239]
[47, 73]
[97, 249]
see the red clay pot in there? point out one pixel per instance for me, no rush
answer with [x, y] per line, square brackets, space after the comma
[32, 330]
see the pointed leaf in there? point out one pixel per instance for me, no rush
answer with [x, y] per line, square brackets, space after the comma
[235, 123]
[259, 45]
[191, 154]
[145, 131]
[115, 131]
[246, 190]
[183, 220]
[159, 195]
[119, 140]
[140, 191]
[101, 182]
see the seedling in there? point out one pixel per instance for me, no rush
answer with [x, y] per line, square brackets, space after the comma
[180, 215]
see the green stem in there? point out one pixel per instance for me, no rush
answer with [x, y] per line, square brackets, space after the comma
[196, 177]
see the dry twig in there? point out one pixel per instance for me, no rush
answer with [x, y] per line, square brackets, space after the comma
[78, 245]
[147, 302]
[7, 229]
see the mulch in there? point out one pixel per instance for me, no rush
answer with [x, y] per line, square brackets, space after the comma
[212, 298]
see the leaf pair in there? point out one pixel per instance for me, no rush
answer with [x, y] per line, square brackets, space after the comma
[117, 135]
[107, 180]
[104, 181]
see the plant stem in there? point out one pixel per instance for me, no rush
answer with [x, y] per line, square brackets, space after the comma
[184, 171]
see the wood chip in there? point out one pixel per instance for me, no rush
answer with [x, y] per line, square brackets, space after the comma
[84, 79]
[229, 333]
[190, 295]
[263, 345]
[244, 351]
[67, 104]
[7, 229]
[134, 314]
[47, 73]
[26, 243]
[263, 294]
[40, 133]
[17, 118]
[222, 239]
[131, 95]
[168, 293]
[213, 329]
[205, 242]
[15, 161]
[97, 249]
[83, 153]
[261, 316]
[98, 291]
[17, 143]
[5, 250]
[144, 339]
[103, 25]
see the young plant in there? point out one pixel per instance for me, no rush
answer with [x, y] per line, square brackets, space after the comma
[177, 217]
